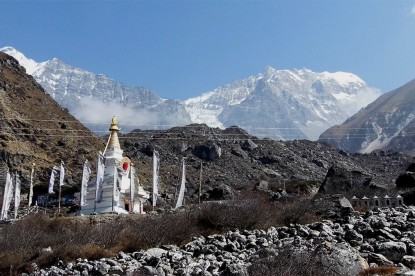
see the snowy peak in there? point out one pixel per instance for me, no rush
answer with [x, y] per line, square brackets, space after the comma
[293, 104]
[279, 104]
[343, 79]
[94, 97]
[30, 65]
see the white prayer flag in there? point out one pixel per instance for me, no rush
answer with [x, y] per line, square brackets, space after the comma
[6, 200]
[86, 174]
[16, 196]
[156, 167]
[132, 188]
[10, 192]
[61, 174]
[100, 177]
[179, 202]
[52, 180]
[31, 186]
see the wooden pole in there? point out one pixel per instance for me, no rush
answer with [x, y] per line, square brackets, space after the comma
[59, 200]
[200, 182]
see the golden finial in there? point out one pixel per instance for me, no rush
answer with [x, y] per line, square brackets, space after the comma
[114, 126]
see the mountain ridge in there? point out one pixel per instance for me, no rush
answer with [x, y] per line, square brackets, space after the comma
[92, 97]
[387, 123]
[279, 104]
[307, 102]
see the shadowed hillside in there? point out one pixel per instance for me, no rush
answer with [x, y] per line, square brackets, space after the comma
[35, 129]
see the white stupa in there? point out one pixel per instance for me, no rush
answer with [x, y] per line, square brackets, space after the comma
[119, 193]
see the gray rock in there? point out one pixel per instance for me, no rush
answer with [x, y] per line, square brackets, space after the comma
[156, 252]
[208, 152]
[341, 259]
[234, 269]
[386, 234]
[353, 237]
[379, 259]
[124, 256]
[102, 268]
[341, 180]
[249, 145]
[393, 251]
[239, 152]
[262, 185]
[270, 172]
[409, 261]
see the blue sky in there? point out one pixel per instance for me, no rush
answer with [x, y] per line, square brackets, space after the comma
[181, 49]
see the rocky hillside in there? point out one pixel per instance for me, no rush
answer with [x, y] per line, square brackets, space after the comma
[233, 161]
[36, 129]
[387, 123]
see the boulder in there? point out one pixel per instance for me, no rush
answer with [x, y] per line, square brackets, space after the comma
[340, 259]
[409, 261]
[332, 206]
[208, 152]
[262, 185]
[379, 259]
[239, 152]
[180, 147]
[405, 181]
[271, 173]
[248, 145]
[393, 251]
[148, 150]
[341, 180]
[221, 192]
[320, 163]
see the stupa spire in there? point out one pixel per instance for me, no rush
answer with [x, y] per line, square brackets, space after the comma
[114, 143]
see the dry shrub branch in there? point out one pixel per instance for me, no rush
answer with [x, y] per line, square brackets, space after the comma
[24, 242]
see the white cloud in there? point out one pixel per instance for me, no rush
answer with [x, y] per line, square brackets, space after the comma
[413, 10]
[96, 115]
[361, 99]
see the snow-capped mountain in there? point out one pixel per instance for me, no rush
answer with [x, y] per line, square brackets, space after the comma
[387, 123]
[93, 98]
[284, 104]
[279, 104]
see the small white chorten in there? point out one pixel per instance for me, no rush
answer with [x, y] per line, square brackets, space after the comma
[116, 188]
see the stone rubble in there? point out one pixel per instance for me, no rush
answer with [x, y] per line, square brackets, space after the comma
[375, 238]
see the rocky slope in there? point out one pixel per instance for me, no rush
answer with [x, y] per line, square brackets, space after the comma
[387, 123]
[234, 161]
[36, 129]
[343, 247]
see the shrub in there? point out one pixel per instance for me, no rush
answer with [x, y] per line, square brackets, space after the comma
[86, 251]
[380, 271]
[22, 243]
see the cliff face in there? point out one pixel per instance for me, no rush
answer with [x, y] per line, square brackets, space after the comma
[35, 129]
[387, 123]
